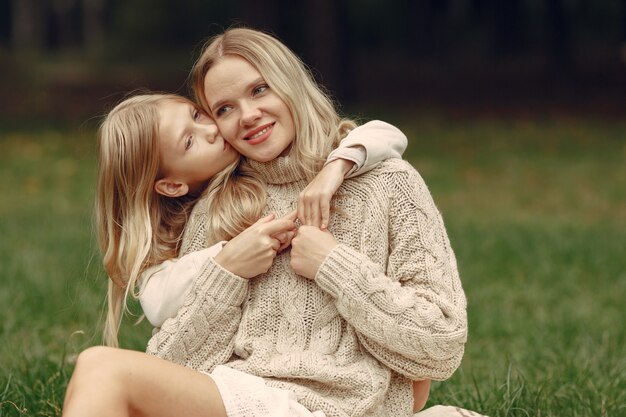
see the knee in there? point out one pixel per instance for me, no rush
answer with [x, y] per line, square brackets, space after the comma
[94, 363]
[90, 366]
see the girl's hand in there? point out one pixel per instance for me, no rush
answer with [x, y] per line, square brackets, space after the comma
[285, 237]
[314, 200]
[252, 252]
[309, 249]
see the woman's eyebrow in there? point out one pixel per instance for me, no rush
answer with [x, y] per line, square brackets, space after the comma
[259, 80]
[213, 106]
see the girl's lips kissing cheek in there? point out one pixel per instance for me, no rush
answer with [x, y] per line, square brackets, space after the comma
[259, 135]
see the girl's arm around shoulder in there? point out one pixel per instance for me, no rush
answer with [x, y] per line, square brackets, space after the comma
[410, 313]
[364, 148]
[368, 145]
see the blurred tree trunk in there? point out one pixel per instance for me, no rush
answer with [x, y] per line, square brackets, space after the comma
[328, 45]
[65, 23]
[559, 39]
[623, 19]
[623, 33]
[508, 27]
[93, 24]
[477, 10]
[28, 31]
[419, 23]
[261, 15]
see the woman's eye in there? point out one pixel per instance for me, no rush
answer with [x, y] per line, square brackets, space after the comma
[260, 89]
[222, 110]
[196, 114]
[188, 142]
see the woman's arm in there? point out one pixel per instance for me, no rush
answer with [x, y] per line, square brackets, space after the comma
[411, 316]
[207, 320]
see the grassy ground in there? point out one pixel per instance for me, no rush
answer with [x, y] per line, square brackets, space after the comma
[536, 212]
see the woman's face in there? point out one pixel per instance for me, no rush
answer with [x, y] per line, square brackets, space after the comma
[252, 117]
[192, 150]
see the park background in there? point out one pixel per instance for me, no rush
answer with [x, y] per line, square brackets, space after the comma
[516, 117]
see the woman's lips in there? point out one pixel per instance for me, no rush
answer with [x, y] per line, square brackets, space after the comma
[259, 135]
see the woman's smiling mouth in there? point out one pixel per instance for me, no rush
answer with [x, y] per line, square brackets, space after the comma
[259, 135]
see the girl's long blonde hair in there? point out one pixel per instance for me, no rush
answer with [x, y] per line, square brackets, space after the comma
[319, 128]
[137, 227]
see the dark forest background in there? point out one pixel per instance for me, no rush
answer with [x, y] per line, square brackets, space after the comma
[74, 58]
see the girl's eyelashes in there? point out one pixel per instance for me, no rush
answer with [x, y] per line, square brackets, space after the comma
[188, 142]
[195, 114]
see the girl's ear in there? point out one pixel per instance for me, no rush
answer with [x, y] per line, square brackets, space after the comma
[171, 188]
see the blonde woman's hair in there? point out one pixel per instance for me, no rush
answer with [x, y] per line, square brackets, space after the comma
[319, 128]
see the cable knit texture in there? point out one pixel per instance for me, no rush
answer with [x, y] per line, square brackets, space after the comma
[386, 305]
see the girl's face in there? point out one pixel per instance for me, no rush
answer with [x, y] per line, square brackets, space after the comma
[192, 150]
[252, 117]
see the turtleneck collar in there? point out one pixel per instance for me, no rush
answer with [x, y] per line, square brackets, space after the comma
[282, 170]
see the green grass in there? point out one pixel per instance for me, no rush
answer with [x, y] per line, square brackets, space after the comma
[535, 210]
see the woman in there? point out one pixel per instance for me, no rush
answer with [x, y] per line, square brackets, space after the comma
[352, 315]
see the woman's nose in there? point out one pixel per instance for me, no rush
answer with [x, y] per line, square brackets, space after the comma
[249, 114]
[210, 132]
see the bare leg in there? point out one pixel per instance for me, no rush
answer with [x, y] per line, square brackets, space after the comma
[116, 382]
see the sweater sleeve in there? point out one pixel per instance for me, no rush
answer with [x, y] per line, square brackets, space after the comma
[200, 336]
[368, 145]
[164, 286]
[411, 317]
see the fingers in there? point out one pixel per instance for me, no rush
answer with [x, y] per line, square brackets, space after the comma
[266, 219]
[278, 225]
[300, 211]
[314, 210]
[325, 213]
[291, 216]
[275, 245]
[314, 215]
[285, 240]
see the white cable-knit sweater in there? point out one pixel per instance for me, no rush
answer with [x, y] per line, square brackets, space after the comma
[386, 306]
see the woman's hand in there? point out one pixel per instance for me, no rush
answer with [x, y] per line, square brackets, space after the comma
[252, 252]
[314, 200]
[309, 249]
